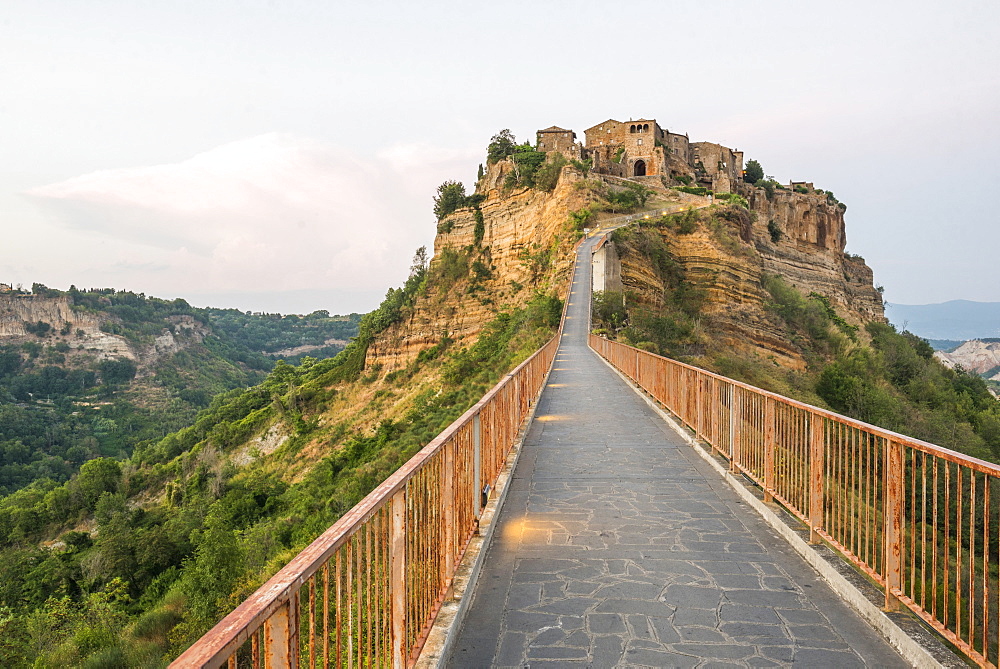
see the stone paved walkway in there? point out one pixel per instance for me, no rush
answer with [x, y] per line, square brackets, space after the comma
[619, 546]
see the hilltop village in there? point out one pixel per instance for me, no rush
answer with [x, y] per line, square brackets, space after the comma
[641, 148]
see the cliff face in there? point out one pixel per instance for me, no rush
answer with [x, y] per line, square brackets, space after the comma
[809, 253]
[727, 255]
[526, 246]
[975, 356]
[81, 330]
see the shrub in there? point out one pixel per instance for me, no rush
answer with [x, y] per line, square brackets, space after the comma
[501, 145]
[480, 230]
[617, 158]
[774, 230]
[548, 173]
[694, 190]
[581, 218]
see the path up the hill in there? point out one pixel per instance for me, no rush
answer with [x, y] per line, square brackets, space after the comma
[619, 546]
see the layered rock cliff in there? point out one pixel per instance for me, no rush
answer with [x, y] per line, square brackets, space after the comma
[976, 355]
[526, 246]
[82, 330]
[526, 242]
[727, 253]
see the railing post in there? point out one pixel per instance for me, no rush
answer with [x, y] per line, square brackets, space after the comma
[477, 466]
[893, 500]
[281, 636]
[397, 579]
[698, 399]
[768, 449]
[817, 463]
[448, 507]
[735, 431]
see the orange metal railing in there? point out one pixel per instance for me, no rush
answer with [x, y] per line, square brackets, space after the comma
[922, 521]
[366, 592]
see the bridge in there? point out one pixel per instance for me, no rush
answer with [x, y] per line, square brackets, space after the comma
[615, 507]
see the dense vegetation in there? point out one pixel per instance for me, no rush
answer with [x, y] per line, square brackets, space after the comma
[272, 333]
[131, 559]
[63, 402]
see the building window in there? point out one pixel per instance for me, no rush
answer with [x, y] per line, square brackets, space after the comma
[639, 141]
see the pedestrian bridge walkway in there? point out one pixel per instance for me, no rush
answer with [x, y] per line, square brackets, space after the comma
[619, 545]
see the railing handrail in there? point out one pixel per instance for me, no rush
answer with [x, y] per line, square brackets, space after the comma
[908, 513]
[243, 622]
[983, 466]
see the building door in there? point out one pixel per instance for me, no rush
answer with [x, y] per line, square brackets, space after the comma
[639, 169]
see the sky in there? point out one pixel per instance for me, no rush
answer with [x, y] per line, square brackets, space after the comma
[282, 156]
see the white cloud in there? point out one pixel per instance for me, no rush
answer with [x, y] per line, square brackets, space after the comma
[266, 214]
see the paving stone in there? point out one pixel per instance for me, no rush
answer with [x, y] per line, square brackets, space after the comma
[619, 546]
[705, 618]
[756, 630]
[607, 651]
[556, 653]
[640, 627]
[606, 623]
[574, 606]
[658, 658]
[753, 614]
[548, 637]
[686, 596]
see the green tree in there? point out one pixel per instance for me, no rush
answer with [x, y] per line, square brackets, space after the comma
[753, 172]
[96, 477]
[450, 197]
[501, 145]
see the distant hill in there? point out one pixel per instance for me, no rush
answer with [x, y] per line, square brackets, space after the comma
[954, 320]
[86, 374]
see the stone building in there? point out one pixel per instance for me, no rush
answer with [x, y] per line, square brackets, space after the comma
[626, 149]
[641, 148]
[716, 166]
[557, 139]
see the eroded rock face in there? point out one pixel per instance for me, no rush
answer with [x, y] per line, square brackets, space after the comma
[522, 225]
[810, 251]
[730, 262]
[975, 356]
[82, 330]
[526, 246]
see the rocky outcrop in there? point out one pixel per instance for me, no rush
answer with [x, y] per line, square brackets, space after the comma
[980, 357]
[795, 235]
[809, 251]
[16, 311]
[81, 330]
[526, 246]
